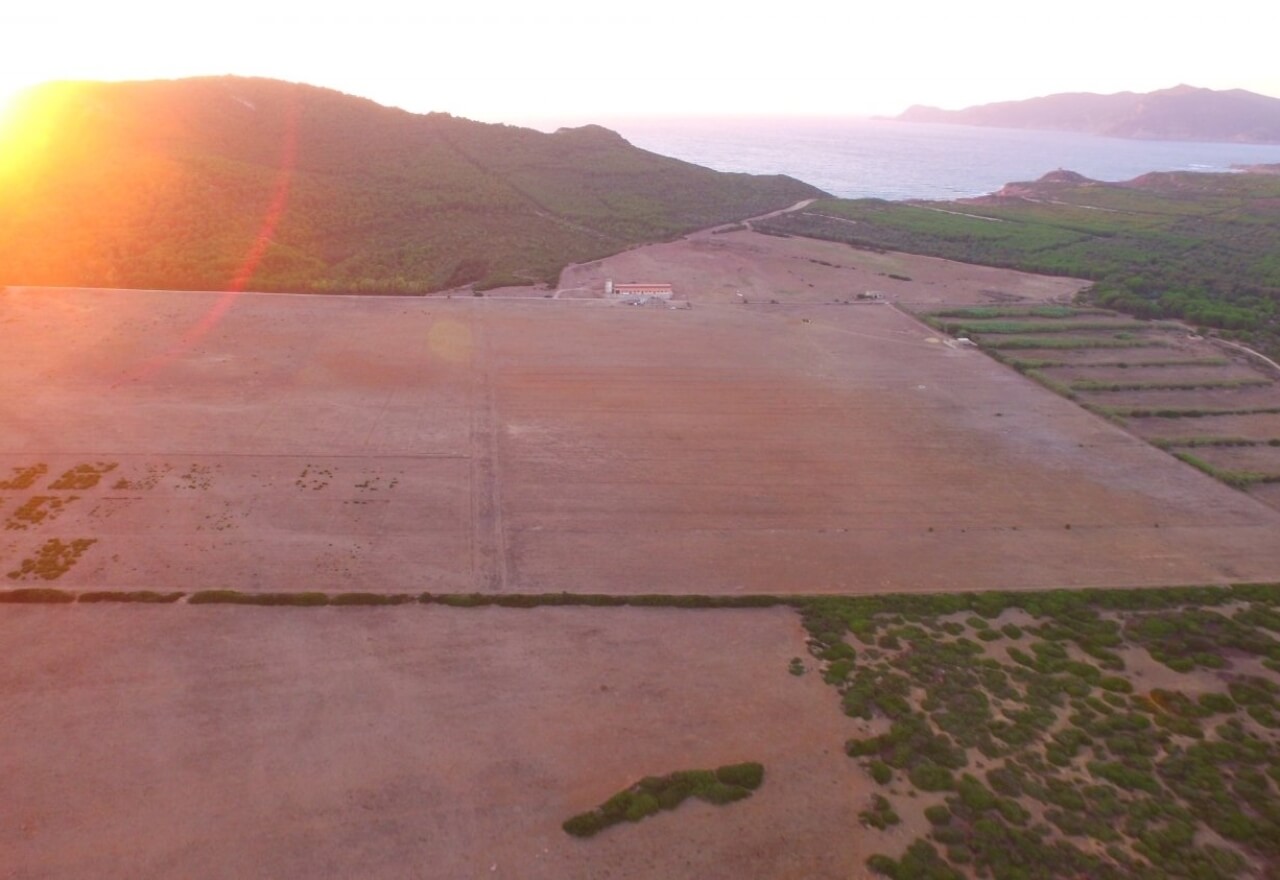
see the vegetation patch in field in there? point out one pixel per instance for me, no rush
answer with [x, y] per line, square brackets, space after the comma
[1012, 327]
[235, 597]
[1194, 442]
[83, 476]
[53, 559]
[724, 785]
[1048, 756]
[1235, 479]
[36, 510]
[24, 477]
[37, 595]
[1179, 412]
[146, 597]
[370, 599]
[1185, 385]
[1068, 343]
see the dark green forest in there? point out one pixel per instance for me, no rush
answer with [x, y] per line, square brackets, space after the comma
[229, 182]
[1202, 248]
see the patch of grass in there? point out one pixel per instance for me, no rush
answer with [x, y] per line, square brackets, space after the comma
[53, 559]
[144, 596]
[36, 595]
[1188, 385]
[83, 476]
[1196, 442]
[235, 597]
[724, 785]
[370, 599]
[24, 477]
[1066, 343]
[1235, 479]
[1174, 412]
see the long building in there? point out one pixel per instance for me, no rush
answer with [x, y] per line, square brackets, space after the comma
[637, 290]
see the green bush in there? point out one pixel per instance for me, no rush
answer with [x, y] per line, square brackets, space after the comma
[883, 865]
[146, 596]
[234, 597]
[719, 793]
[369, 599]
[748, 775]
[584, 824]
[937, 814]
[931, 777]
[39, 595]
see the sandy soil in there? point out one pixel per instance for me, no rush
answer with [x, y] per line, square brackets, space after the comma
[544, 445]
[411, 742]
[729, 267]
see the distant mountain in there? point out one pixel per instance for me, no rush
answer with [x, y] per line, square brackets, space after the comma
[225, 182]
[1182, 113]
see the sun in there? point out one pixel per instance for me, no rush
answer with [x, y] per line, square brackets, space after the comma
[10, 88]
[28, 123]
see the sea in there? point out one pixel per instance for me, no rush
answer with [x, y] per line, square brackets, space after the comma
[880, 158]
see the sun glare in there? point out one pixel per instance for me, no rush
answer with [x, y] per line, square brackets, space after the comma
[28, 119]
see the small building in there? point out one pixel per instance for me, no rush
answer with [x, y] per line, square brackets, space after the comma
[637, 291]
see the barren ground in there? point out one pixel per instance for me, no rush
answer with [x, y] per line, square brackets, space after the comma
[229, 742]
[502, 445]
[533, 445]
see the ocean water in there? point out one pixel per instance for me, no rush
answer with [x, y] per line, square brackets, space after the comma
[857, 158]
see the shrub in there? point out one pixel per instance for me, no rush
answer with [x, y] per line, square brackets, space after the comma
[937, 814]
[931, 777]
[719, 793]
[748, 775]
[40, 595]
[880, 772]
[584, 824]
[234, 597]
[883, 865]
[129, 596]
[642, 805]
[369, 599]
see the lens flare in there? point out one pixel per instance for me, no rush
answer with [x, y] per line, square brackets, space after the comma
[275, 212]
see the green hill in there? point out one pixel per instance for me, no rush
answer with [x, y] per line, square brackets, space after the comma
[218, 182]
[1199, 247]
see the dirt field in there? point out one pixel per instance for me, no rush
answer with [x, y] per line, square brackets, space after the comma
[1260, 427]
[530, 445]
[159, 440]
[412, 742]
[730, 267]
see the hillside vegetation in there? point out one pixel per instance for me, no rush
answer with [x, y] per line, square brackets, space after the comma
[230, 182]
[1198, 247]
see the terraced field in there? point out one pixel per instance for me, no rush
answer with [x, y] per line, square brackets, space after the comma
[1216, 408]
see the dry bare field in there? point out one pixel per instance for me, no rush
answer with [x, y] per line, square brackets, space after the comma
[537, 445]
[186, 441]
[411, 742]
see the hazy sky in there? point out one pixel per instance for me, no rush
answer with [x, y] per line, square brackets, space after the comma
[575, 60]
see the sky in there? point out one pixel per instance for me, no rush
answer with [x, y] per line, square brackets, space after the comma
[574, 61]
